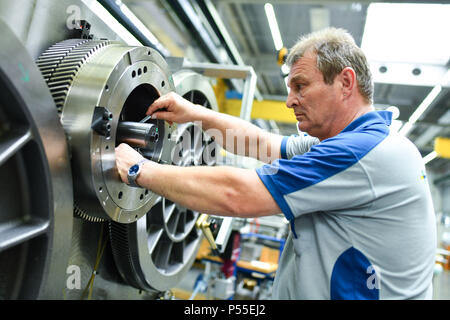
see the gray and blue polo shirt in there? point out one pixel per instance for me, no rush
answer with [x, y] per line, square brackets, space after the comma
[362, 219]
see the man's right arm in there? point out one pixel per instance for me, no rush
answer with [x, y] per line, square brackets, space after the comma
[233, 134]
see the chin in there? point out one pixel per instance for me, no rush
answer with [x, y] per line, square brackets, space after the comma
[301, 127]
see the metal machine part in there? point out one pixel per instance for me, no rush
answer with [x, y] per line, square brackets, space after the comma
[203, 151]
[137, 134]
[102, 90]
[96, 82]
[155, 252]
[35, 180]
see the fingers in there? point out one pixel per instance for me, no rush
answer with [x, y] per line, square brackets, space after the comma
[164, 115]
[165, 101]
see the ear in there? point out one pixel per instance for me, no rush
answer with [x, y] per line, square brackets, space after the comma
[348, 81]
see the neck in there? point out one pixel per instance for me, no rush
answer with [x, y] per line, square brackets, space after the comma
[354, 111]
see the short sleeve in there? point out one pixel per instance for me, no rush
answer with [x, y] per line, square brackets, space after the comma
[296, 145]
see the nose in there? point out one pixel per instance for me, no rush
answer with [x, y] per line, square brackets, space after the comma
[291, 101]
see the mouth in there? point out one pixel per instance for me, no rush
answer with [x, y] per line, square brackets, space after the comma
[299, 115]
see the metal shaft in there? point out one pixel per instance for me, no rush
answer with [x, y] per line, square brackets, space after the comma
[137, 134]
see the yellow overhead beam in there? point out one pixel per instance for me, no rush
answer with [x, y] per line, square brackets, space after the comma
[442, 147]
[265, 109]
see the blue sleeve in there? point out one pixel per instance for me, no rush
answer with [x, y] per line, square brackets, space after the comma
[283, 147]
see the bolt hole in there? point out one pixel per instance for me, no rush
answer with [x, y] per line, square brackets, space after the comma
[145, 69]
[100, 189]
[163, 84]
[135, 217]
[141, 196]
[146, 192]
[149, 53]
[139, 71]
[133, 74]
[107, 148]
[120, 194]
[383, 69]
[107, 88]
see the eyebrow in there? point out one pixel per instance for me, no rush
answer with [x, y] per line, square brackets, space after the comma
[298, 77]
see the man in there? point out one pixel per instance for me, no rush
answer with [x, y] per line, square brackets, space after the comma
[361, 214]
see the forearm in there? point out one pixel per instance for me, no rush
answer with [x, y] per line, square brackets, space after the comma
[239, 136]
[214, 190]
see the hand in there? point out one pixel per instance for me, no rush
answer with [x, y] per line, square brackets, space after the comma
[176, 109]
[126, 156]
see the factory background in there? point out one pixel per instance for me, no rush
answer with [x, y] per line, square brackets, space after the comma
[76, 77]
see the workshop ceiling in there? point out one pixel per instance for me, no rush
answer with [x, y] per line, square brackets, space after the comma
[404, 81]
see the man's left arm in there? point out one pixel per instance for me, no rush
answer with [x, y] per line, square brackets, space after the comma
[221, 190]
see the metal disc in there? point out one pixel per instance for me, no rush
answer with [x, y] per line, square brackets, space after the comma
[35, 180]
[87, 75]
[155, 252]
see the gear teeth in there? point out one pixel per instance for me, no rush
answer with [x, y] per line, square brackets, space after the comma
[60, 64]
[85, 216]
[123, 255]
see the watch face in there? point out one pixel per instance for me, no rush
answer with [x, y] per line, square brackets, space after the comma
[133, 170]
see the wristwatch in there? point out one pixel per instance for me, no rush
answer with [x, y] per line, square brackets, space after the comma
[134, 172]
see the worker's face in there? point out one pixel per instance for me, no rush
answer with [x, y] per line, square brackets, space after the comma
[314, 102]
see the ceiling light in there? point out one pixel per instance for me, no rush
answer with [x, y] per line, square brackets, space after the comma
[111, 22]
[273, 26]
[142, 28]
[285, 69]
[429, 157]
[286, 83]
[409, 33]
[406, 128]
[421, 109]
[425, 104]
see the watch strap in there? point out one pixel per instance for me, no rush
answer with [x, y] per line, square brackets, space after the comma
[132, 179]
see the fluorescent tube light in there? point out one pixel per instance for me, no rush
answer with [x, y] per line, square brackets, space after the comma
[420, 110]
[429, 157]
[273, 26]
[112, 23]
[425, 104]
[406, 128]
[143, 29]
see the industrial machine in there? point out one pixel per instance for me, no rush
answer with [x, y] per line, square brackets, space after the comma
[67, 99]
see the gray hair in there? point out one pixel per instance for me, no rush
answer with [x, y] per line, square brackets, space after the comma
[335, 50]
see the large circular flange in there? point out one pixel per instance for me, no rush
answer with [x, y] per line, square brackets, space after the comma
[109, 78]
[156, 252]
[36, 196]
[195, 88]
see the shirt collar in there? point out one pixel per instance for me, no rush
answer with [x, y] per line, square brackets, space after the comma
[372, 117]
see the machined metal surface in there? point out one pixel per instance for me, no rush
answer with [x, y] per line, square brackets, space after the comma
[138, 134]
[35, 180]
[155, 252]
[85, 76]
[38, 249]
